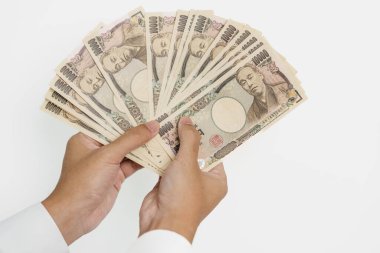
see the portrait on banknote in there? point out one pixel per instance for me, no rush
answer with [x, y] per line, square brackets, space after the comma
[131, 46]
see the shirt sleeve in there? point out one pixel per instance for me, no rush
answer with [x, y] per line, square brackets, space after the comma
[31, 230]
[161, 241]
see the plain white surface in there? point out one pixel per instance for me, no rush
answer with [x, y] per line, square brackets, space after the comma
[311, 183]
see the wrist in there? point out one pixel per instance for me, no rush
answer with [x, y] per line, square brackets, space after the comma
[66, 219]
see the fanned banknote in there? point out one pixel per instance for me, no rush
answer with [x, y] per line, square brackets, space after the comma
[197, 20]
[62, 88]
[242, 44]
[253, 94]
[225, 37]
[200, 38]
[182, 22]
[159, 30]
[80, 73]
[217, 71]
[68, 107]
[119, 51]
[68, 118]
[222, 74]
[230, 37]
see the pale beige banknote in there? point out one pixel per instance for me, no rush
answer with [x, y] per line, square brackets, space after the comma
[207, 65]
[66, 117]
[119, 51]
[75, 112]
[226, 37]
[61, 87]
[202, 35]
[248, 98]
[159, 28]
[251, 44]
[221, 65]
[181, 27]
[195, 21]
[81, 73]
[64, 104]
[241, 45]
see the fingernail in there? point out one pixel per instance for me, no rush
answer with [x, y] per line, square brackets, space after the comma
[153, 126]
[185, 121]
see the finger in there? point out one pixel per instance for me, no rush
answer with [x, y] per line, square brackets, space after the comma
[132, 139]
[189, 140]
[129, 167]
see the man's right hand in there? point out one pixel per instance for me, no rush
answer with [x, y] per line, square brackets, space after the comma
[184, 195]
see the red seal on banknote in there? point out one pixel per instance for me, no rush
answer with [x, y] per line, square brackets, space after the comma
[216, 140]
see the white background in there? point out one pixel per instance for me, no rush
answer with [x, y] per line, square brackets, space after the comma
[311, 183]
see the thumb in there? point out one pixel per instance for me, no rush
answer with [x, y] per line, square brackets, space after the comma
[189, 139]
[130, 140]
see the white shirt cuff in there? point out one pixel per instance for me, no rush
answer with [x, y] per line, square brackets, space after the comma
[161, 241]
[31, 230]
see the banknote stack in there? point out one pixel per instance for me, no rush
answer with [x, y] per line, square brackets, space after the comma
[222, 74]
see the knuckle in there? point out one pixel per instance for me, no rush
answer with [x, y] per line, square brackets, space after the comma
[73, 139]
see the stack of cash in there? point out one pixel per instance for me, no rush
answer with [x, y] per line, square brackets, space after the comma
[222, 74]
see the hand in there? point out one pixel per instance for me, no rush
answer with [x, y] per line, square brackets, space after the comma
[184, 195]
[91, 178]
